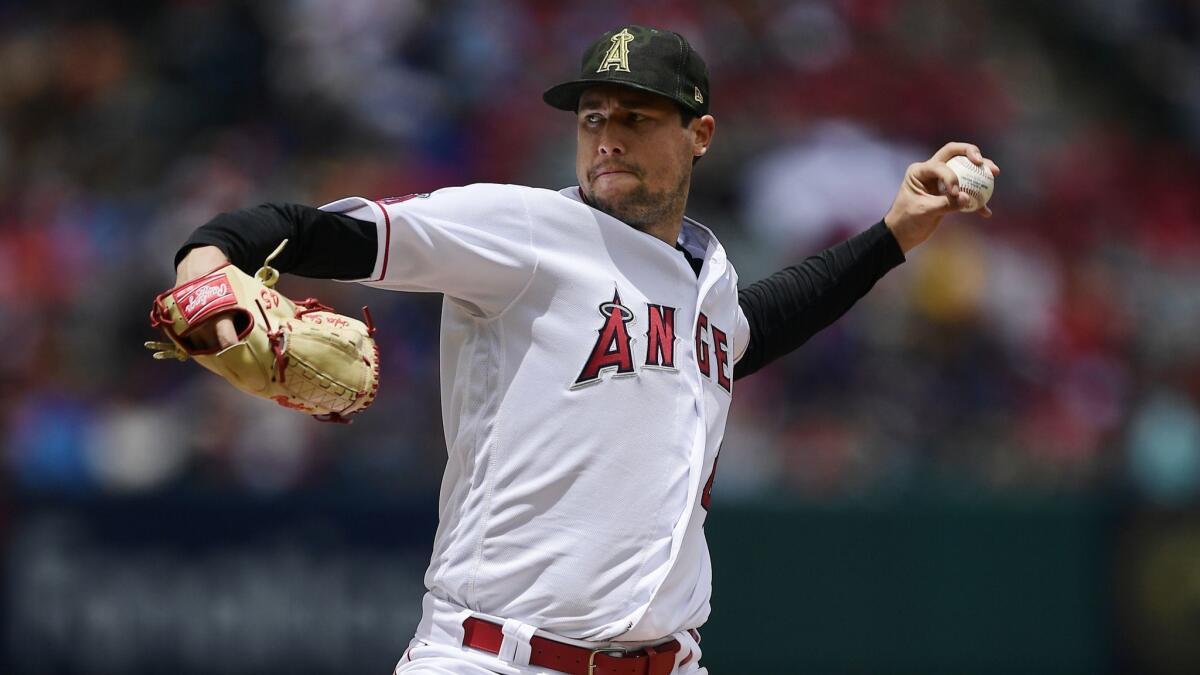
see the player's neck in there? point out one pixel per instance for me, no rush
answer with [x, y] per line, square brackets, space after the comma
[668, 227]
[668, 230]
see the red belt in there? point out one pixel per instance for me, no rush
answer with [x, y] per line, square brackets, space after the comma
[566, 658]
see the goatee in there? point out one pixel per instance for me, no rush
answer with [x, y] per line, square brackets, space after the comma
[641, 208]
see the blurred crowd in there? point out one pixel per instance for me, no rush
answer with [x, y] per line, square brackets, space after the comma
[1053, 348]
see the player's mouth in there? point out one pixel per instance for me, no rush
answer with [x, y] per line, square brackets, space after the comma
[600, 172]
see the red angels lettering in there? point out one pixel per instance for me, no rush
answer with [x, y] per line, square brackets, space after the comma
[612, 348]
[721, 351]
[702, 344]
[660, 352]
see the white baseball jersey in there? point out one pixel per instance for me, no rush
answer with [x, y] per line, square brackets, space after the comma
[586, 377]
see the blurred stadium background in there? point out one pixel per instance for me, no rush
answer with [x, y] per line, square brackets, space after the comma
[992, 465]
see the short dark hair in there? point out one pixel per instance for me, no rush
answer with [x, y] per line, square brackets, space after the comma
[685, 115]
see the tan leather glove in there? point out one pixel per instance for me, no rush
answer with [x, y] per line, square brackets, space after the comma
[302, 355]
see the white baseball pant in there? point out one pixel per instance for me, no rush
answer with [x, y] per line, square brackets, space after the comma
[438, 647]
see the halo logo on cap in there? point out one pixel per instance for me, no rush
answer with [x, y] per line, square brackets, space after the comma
[618, 54]
[666, 65]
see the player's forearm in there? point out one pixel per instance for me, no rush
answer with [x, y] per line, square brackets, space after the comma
[787, 308]
[320, 244]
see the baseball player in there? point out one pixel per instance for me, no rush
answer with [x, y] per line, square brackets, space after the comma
[591, 338]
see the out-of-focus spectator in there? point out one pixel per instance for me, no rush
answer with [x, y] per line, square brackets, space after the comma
[1164, 448]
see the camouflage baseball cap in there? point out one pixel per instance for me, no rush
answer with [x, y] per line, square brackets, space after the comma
[649, 59]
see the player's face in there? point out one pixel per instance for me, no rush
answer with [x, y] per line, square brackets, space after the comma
[634, 157]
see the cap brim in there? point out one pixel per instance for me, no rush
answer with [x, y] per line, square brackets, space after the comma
[565, 96]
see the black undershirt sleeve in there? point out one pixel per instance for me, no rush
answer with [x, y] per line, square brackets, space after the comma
[787, 308]
[783, 310]
[321, 245]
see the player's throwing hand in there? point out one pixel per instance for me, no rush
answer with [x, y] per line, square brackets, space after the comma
[920, 204]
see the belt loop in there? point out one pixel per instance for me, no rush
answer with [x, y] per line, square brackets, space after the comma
[689, 646]
[515, 647]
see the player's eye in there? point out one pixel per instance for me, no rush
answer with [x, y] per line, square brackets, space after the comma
[593, 118]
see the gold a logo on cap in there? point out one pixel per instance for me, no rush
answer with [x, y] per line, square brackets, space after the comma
[618, 54]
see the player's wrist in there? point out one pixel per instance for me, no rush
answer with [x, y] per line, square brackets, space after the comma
[907, 234]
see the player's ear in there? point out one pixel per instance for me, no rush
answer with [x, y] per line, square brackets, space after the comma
[703, 129]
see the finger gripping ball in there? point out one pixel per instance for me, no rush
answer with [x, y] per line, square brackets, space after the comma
[974, 180]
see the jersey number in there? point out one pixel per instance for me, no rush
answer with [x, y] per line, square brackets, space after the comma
[706, 496]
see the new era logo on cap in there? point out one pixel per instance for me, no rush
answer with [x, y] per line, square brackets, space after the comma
[658, 61]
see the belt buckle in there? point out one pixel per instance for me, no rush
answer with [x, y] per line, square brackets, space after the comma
[591, 664]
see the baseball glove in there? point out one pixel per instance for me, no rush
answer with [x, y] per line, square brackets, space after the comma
[300, 354]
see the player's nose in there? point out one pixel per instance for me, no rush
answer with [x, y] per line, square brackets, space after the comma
[609, 143]
[611, 149]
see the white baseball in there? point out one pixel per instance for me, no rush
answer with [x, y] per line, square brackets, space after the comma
[976, 181]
